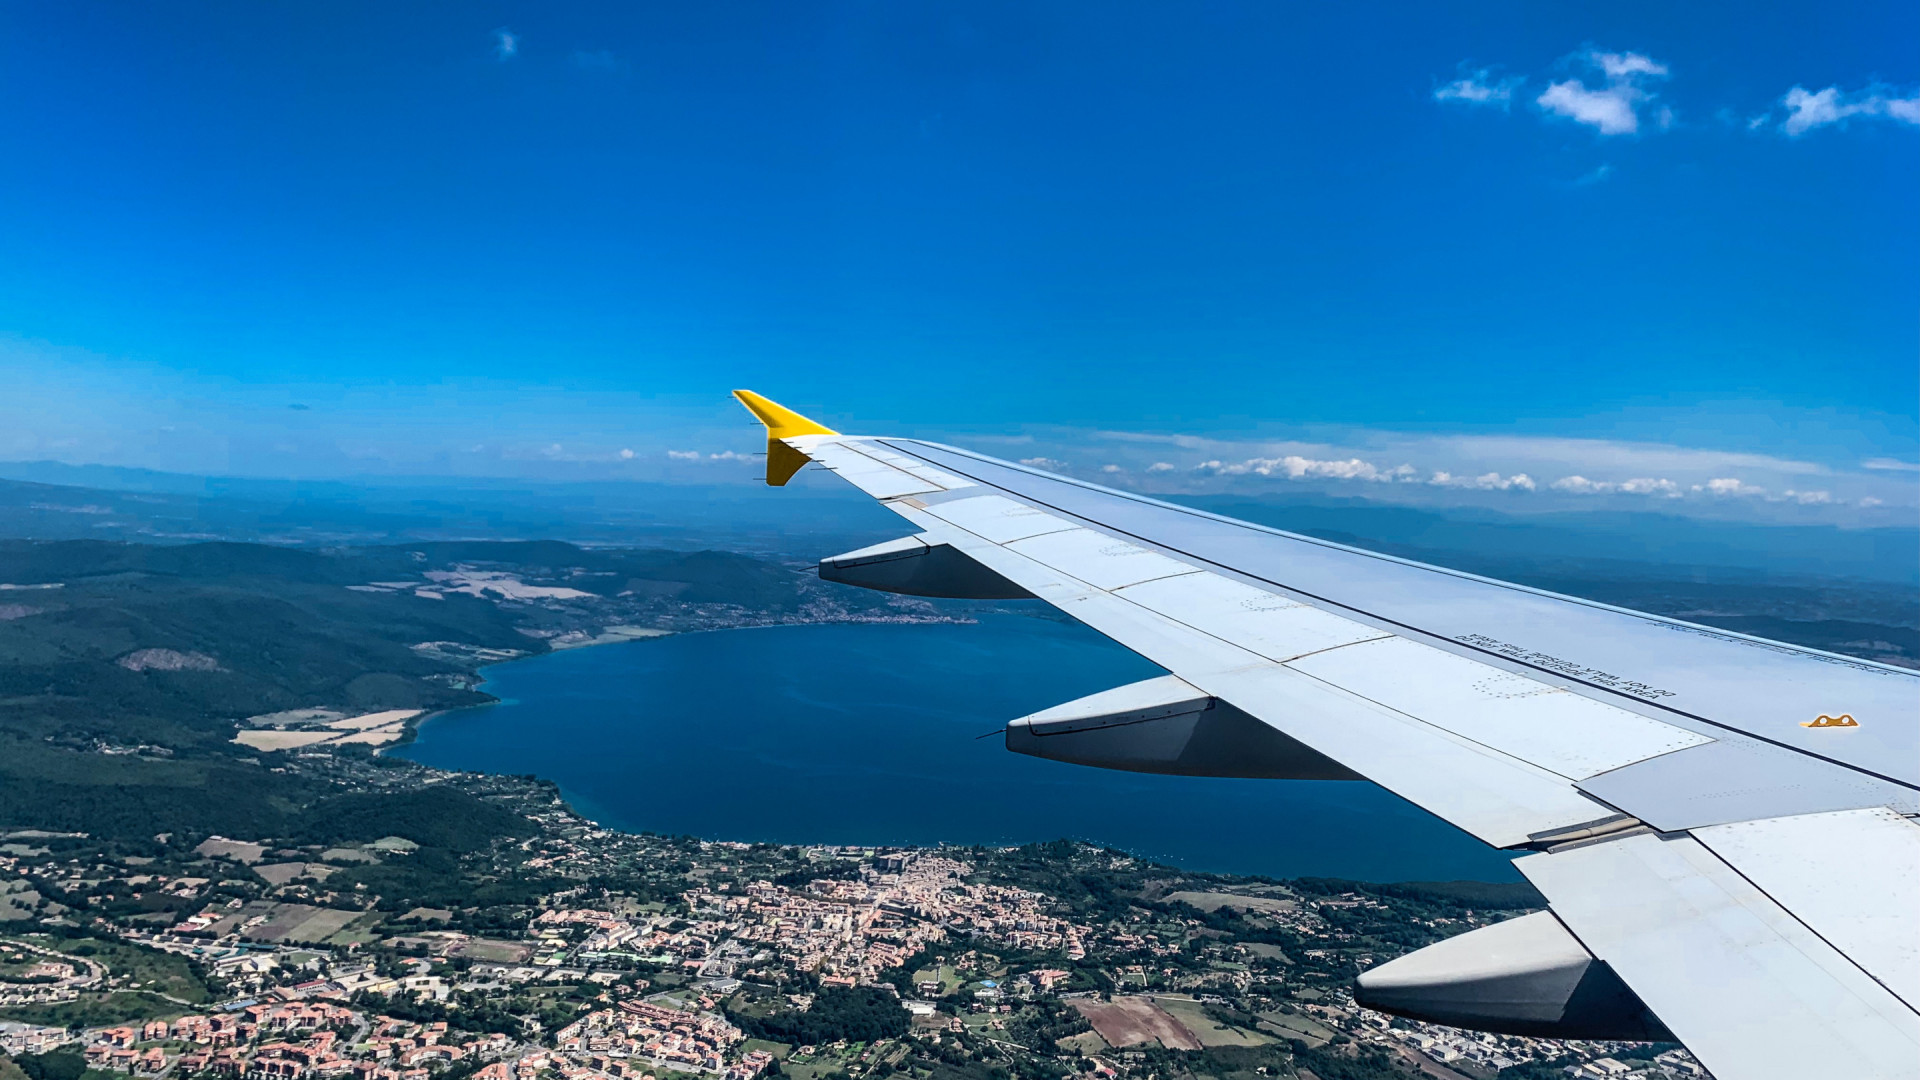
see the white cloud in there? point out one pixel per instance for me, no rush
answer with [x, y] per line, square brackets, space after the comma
[695, 455]
[1640, 485]
[1047, 463]
[1507, 466]
[1727, 485]
[506, 44]
[1491, 481]
[1649, 486]
[1476, 88]
[1295, 467]
[1112, 469]
[1605, 109]
[1612, 108]
[1887, 464]
[626, 455]
[1580, 485]
[1618, 97]
[1626, 65]
[1809, 110]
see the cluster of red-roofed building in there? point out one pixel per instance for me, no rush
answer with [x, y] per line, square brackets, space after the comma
[611, 1041]
[850, 931]
[288, 1041]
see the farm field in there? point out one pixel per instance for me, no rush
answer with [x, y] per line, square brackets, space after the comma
[1192, 1015]
[1130, 1021]
[1299, 1026]
[1214, 901]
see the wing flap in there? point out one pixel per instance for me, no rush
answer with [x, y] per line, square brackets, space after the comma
[1750, 989]
[1736, 779]
[1852, 877]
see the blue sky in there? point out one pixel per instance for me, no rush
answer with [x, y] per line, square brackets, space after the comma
[1620, 243]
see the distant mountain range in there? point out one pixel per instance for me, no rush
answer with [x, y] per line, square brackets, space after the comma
[48, 500]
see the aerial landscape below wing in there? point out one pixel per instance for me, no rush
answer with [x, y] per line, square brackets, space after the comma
[1723, 825]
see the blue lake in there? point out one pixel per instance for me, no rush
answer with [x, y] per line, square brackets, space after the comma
[868, 734]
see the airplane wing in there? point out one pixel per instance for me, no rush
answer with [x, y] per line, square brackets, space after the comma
[1723, 826]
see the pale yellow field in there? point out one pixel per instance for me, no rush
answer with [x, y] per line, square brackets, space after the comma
[376, 737]
[374, 719]
[373, 729]
[281, 740]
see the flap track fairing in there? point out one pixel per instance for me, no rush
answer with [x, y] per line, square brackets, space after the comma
[916, 566]
[1166, 725]
[1525, 976]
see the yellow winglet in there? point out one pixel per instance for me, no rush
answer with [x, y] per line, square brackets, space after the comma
[782, 423]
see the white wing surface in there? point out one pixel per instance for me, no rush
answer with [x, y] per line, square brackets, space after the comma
[1723, 826]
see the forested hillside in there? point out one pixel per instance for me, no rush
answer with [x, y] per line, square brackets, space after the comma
[127, 669]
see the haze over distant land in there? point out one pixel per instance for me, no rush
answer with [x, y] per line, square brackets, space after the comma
[822, 515]
[1737, 461]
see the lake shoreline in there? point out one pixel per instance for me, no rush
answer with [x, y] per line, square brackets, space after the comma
[847, 734]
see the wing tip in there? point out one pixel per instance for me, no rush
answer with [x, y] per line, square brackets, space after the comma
[781, 423]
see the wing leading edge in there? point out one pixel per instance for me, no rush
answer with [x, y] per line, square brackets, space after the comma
[1720, 864]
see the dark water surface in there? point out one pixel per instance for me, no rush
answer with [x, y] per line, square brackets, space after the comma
[866, 734]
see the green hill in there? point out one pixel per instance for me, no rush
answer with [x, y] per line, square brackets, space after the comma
[124, 668]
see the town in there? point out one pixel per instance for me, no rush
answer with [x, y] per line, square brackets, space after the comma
[561, 949]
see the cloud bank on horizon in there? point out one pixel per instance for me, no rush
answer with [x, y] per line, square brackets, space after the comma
[1505, 471]
[154, 420]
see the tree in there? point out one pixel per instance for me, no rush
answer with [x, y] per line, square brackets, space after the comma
[857, 1014]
